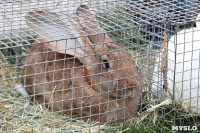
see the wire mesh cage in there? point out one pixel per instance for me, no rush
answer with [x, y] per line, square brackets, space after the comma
[91, 66]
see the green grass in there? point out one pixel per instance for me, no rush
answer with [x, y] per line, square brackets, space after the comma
[159, 127]
[13, 51]
[155, 122]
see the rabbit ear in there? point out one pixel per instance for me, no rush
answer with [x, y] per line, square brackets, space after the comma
[90, 25]
[49, 27]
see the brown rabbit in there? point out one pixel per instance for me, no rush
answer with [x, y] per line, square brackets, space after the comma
[83, 75]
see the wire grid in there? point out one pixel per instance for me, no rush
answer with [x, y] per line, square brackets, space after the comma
[182, 69]
[123, 21]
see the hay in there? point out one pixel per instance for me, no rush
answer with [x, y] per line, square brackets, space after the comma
[50, 100]
[166, 102]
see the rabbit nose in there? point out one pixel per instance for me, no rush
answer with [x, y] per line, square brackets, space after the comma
[130, 83]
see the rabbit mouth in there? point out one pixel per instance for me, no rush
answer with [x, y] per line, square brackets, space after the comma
[125, 93]
[118, 90]
[121, 92]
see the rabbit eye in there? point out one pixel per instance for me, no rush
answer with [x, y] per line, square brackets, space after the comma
[106, 64]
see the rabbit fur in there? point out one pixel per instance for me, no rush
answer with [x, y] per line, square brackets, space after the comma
[184, 63]
[75, 73]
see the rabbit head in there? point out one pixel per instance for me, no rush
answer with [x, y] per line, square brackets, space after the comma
[109, 68]
[114, 70]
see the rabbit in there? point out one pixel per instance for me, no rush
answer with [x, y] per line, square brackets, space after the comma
[81, 74]
[184, 63]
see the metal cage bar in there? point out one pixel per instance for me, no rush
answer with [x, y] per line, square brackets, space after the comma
[89, 66]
